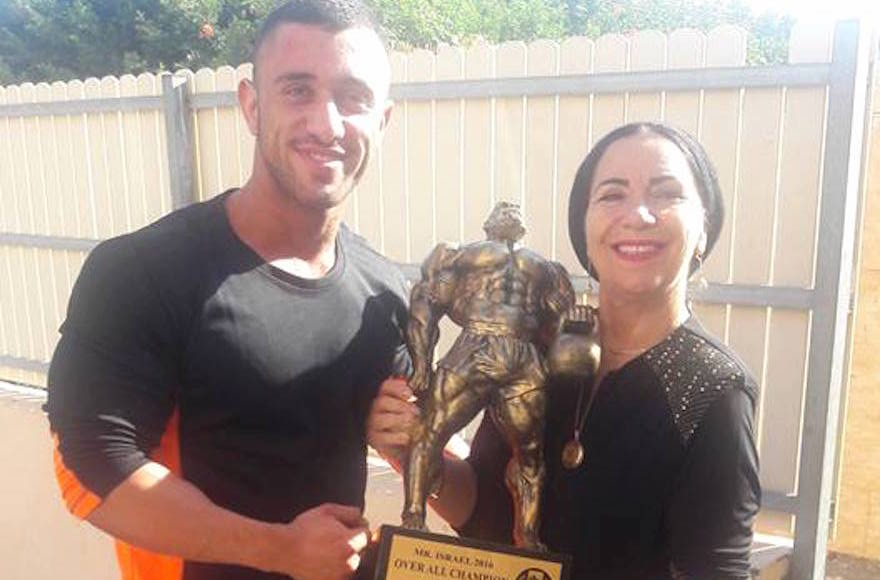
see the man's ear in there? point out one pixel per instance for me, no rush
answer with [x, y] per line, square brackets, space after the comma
[249, 103]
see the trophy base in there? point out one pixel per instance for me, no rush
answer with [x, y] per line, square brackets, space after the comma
[403, 554]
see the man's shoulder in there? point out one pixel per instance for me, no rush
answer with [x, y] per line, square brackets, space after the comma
[172, 248]
[367, 260]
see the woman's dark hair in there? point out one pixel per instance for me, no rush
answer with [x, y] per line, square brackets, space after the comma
[697, 159]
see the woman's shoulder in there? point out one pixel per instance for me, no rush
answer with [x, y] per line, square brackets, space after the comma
[695, 369]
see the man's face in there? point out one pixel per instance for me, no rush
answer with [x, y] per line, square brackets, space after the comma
[317, 106]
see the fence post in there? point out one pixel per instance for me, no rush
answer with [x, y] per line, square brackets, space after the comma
[847, 93]
[178, 133]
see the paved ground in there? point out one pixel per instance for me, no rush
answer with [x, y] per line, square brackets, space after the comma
[843, 567]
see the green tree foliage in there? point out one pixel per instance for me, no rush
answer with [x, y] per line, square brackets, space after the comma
[61, 39]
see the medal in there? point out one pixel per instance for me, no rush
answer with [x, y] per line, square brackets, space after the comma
[572, 453]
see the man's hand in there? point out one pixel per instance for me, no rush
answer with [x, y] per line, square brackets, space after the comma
[391, 420]
[321, 543]
[420, 379]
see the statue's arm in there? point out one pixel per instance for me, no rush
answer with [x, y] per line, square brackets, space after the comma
[559, 297]
[430, 299]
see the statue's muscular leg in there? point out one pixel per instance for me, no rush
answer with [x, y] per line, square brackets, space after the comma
[452, 403]
[520, 419]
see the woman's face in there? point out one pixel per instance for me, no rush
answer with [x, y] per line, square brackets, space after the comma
[645, 219]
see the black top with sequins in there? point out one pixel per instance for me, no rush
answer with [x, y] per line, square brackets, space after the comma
[669, 485]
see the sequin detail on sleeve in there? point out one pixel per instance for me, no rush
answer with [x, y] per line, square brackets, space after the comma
[693, 374]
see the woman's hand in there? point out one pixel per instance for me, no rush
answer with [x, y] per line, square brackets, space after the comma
[392, 418]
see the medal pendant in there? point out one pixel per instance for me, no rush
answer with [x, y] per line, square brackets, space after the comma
[572, 454]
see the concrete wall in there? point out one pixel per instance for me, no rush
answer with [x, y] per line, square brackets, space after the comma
[38, 539]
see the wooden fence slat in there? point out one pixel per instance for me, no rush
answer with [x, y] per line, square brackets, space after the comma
[478, 139]
[800, 167]
[609, 111]
[758, 180]
[49, 190]
[117, 169]
[540, 197]
[157, 195]
[572, 142]
[647, 52]
[80, 154]
[510, 61]
[420, 156]
[686, 50]
[32, 186]
[65, 181]
[227, 135]
[449, 150]
[393, 178]
[104, 218]
[132, 133]
[32, 165]
[209, 168]
[52, 264]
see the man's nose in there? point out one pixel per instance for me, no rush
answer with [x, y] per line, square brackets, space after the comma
[325, 122]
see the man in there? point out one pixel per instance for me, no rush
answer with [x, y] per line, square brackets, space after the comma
[209, 392]
[510, 303]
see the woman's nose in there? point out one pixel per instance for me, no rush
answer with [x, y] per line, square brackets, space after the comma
[640, 214]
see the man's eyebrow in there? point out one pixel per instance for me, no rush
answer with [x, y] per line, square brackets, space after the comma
[293, 76]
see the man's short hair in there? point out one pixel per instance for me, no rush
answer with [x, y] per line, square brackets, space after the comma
[333, 15]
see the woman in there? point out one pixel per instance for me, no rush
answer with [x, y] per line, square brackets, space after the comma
[651, 470]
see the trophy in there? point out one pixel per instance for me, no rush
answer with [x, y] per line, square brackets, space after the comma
[519, 323]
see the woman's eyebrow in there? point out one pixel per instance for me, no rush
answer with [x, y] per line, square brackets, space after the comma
[613, 181]
[661, 179]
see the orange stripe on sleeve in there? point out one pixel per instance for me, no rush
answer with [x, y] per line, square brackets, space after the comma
[79, 500]
[139, 564]
[134, 563]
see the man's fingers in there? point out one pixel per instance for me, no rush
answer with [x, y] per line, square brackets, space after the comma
[348, 515]
[393, 439]
[397, 388]
[392, 422]
[359, 541]
[396, 406]
[353, 562]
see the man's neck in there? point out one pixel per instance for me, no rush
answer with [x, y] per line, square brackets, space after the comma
[299, 240]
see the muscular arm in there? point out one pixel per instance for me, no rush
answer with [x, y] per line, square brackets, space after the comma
[430, 299]
[161, 512]
[559, 297]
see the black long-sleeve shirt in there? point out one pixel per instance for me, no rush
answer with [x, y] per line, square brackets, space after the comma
[183, 346]
[669, 486]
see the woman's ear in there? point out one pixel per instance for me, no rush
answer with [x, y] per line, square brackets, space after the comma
[701, 243]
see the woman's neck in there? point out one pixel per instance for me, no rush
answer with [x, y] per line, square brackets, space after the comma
[627, 328]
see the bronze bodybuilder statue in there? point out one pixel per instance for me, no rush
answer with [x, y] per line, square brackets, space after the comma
[510, 303]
